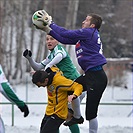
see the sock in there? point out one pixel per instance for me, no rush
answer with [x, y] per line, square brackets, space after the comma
[58, 131]
[69, 105]
[76, 108]
[74, 128]
[2, 127]
[93, 125]
[82, 96]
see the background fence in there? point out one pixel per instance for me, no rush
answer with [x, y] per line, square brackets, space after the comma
[44, 103]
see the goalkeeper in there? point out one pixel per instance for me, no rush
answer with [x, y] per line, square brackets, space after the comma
[7, 91]
[90, 58]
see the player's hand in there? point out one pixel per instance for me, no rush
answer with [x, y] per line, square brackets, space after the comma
[38, 27]
[44, 17]
[71, 97]
[32, 72]
[24, 109]
[47, 29]
[27, 54]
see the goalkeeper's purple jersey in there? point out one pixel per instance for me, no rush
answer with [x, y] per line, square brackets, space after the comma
[88, 45]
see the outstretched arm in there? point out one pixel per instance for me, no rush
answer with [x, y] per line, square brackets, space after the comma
[62, 39]
[59, 33]
[7, 91]
[36, 66]
[68, 36]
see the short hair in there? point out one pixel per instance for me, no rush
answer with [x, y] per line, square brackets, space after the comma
[96, 19]
[39, 76]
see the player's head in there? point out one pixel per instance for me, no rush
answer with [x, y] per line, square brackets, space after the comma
[51, 42]
[92, 21]
[40, 78]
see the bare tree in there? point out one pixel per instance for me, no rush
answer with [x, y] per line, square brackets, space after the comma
[40, 47]
[19, 41]
[71, 17]
[0, 32]
[3, 34]
[17, 31]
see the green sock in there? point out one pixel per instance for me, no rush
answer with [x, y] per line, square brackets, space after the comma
[74, 128]
[58, 131]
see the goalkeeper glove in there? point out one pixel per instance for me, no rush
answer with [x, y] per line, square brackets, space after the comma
[24, 109]
[44, 17]
[47, 29]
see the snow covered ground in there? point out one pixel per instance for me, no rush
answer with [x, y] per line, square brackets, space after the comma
[112, 118]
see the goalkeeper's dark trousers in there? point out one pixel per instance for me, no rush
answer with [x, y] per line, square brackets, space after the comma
[94, 82]
[51, 124]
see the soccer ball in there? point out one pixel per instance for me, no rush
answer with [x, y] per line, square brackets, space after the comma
[36, 22]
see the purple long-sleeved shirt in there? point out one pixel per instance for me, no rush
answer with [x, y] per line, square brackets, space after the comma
[88, 45]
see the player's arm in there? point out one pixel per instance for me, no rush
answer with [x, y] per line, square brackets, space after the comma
[55, 60]
[43, 16]
[77, 91]
[77, 88]
[7, 91]
[71, 34]
[69, 85]
[62, 39]
[36, 66]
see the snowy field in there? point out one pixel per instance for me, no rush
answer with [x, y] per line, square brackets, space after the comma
[112, 118]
